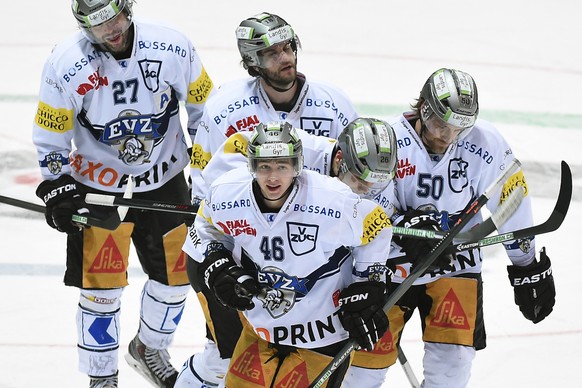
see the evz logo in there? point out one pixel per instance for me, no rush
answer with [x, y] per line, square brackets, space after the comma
[302, 237]
[150, 71]
[458, 175]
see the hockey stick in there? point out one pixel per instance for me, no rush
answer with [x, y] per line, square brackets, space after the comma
[407, 369]
[552, 223]
[475, 238]
[109, 223]
[111, 200]
[422, 266]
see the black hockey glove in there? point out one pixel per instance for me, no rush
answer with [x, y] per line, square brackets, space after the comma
[533, 287]
[416, 248]
[62, 200]
[361, 312]
[232, 285]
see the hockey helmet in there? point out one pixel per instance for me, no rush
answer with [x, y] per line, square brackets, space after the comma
[275, 140]
[260, 32]
[369, 158]
[452, 96]
[93, 13]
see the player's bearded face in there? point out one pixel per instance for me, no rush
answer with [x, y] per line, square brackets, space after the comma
[113, 34]
[274, 176]
[279, 65]
[439, 134]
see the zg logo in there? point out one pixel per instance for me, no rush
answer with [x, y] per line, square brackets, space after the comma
[302, 237]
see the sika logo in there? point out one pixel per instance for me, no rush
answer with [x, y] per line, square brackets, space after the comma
[236, 227]
[450, 313]
[405, 169]
[297, 378]
[385, 345]
[181, 263]
[248, 366]
[109, 259]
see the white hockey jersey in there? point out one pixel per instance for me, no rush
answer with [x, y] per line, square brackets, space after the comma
[122, 116]
[298, 254]
[448, 185]
[321, 109]
[317, 156]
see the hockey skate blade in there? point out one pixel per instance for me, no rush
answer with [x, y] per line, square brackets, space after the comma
[139, 368]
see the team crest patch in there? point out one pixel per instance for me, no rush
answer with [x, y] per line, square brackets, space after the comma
[133, 135]
[150, 71]
[53, 162]
[302, 237]
[458, 175]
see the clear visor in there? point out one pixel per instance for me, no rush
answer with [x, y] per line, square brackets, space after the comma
[276, 54]
[110, 29]
[365, 188]
[279, 167]
[441, 129]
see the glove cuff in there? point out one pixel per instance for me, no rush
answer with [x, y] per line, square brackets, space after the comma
[217, 259]
[531, 274]
[52, 192]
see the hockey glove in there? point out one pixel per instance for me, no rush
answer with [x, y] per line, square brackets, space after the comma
[417, 249]
[232, 285]
[533, 288]
[62, 200]
[361, 312]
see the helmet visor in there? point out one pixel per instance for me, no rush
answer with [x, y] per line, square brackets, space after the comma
[367, 186]
[108, 26]
[276, 54]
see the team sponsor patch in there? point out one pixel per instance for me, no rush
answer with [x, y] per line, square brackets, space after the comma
[405, 168]
[244, 124]
[236, 144]
[247, 365]
[109, 259]
[319, 126]
[199, 90]
[57, 120]
[95, 82]
[373, 224]
[199, 159]
[515, 180]
[237, 227]
[302, 237]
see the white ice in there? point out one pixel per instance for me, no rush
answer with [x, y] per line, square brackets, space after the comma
[525, 57]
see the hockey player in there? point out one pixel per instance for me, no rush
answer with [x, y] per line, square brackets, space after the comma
[363, 157]
[285, 245]
[276, 91]
[108, 110]
[447, 158]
